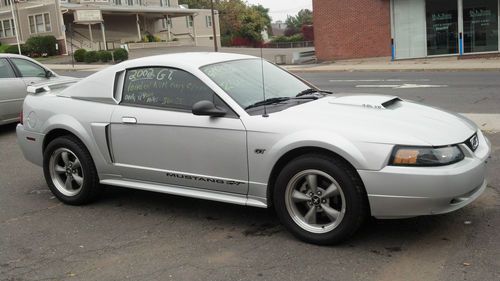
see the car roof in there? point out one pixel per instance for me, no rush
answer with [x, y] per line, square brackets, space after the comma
[193, 59]
[8, 55]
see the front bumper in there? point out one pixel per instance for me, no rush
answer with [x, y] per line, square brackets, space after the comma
[399, 192]
[31, 144]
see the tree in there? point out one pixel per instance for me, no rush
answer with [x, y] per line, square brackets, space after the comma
[295, 23]
[237, 19]
[197, 4]
[264, 13]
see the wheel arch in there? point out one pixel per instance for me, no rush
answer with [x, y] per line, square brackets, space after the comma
[56, 133]
[297, 152]
[60, 125]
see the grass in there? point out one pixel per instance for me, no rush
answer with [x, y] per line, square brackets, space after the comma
[3, 48]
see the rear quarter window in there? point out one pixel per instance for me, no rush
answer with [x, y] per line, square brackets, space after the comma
[6, 70]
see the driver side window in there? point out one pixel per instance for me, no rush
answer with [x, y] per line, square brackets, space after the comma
[28, 69]
[165, 87]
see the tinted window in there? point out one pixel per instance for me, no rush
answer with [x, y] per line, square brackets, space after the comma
[164, 87]
[28, 69]
[5, 69]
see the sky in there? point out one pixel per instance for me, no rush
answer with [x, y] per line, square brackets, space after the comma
[279, 9]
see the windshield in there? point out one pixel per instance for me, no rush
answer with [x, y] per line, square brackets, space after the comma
[242, 80]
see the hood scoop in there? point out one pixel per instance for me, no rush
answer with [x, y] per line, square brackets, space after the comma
[368, 101]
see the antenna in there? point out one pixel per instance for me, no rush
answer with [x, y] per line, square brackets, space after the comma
[263, 81]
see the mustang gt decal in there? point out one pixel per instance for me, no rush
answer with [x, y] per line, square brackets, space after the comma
[204, 179]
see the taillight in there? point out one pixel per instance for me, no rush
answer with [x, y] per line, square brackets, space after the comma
[21, 117]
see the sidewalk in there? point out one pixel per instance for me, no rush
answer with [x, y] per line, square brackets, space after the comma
[384, 64]
[378, 64]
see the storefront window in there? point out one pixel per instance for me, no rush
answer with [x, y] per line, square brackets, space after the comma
[442, 27]
[480, 25]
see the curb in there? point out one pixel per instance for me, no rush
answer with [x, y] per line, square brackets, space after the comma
[377, 69]
[311, 69]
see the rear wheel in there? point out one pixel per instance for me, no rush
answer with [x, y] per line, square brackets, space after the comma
[70, 172]
[319, 199]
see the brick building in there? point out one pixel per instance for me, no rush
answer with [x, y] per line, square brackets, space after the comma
[405, 28]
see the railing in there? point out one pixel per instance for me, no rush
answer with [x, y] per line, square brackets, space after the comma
[285, 45]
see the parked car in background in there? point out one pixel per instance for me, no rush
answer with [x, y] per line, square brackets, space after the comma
[16, 74]
[201, 125]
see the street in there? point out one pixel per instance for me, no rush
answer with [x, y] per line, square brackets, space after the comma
[464, 92]
[137, 235]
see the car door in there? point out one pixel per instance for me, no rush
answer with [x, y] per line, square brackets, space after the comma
[156, 138]
[30, 72]
[12, 93]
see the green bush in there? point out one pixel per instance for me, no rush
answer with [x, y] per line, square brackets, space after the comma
[288, 39]
[39, 45]
[226, 40]
[104, 56]
[120, 54]
[91, 56]
[79, 55]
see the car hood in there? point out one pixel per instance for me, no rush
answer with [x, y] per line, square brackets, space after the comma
[382, 119]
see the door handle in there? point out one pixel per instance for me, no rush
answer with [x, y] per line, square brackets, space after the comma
[129, 120]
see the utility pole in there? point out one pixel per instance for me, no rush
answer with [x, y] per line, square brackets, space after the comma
[216, 47]
[14, 19]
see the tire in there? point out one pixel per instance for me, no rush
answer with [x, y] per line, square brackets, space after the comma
[67, 157]
[328, 213]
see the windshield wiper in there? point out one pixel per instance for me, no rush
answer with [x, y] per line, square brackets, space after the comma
[311, 91]
[268, 102]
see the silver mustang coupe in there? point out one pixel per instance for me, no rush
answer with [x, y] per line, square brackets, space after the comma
[237, 129]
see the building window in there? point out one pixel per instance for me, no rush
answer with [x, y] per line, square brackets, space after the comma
[39, 23]
[480, 25]
[165, 3]
[442, 27]
[7, 28]
[117, 2]
[189, 21]
[208, 21]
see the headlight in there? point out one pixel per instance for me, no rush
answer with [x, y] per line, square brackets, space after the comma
[425, 156]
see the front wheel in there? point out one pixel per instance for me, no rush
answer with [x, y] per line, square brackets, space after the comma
[319, 199]
[70, 172]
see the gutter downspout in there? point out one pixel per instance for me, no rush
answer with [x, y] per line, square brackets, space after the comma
[16, 26]
[61, 25]
[138, 27]
[194, 30]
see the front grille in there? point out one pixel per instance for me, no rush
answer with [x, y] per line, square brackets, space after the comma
[473, 142]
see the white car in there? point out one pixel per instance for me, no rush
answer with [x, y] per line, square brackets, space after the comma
[16, 74]
[237, 129]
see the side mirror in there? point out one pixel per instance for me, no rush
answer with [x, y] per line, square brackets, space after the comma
[48, 74]
[208, 108]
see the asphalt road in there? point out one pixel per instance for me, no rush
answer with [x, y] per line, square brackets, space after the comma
[464, 92]
[137, 235]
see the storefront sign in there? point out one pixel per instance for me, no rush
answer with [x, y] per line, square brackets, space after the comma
[88, 16]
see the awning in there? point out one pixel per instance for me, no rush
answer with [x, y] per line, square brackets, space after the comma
[112, 9]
